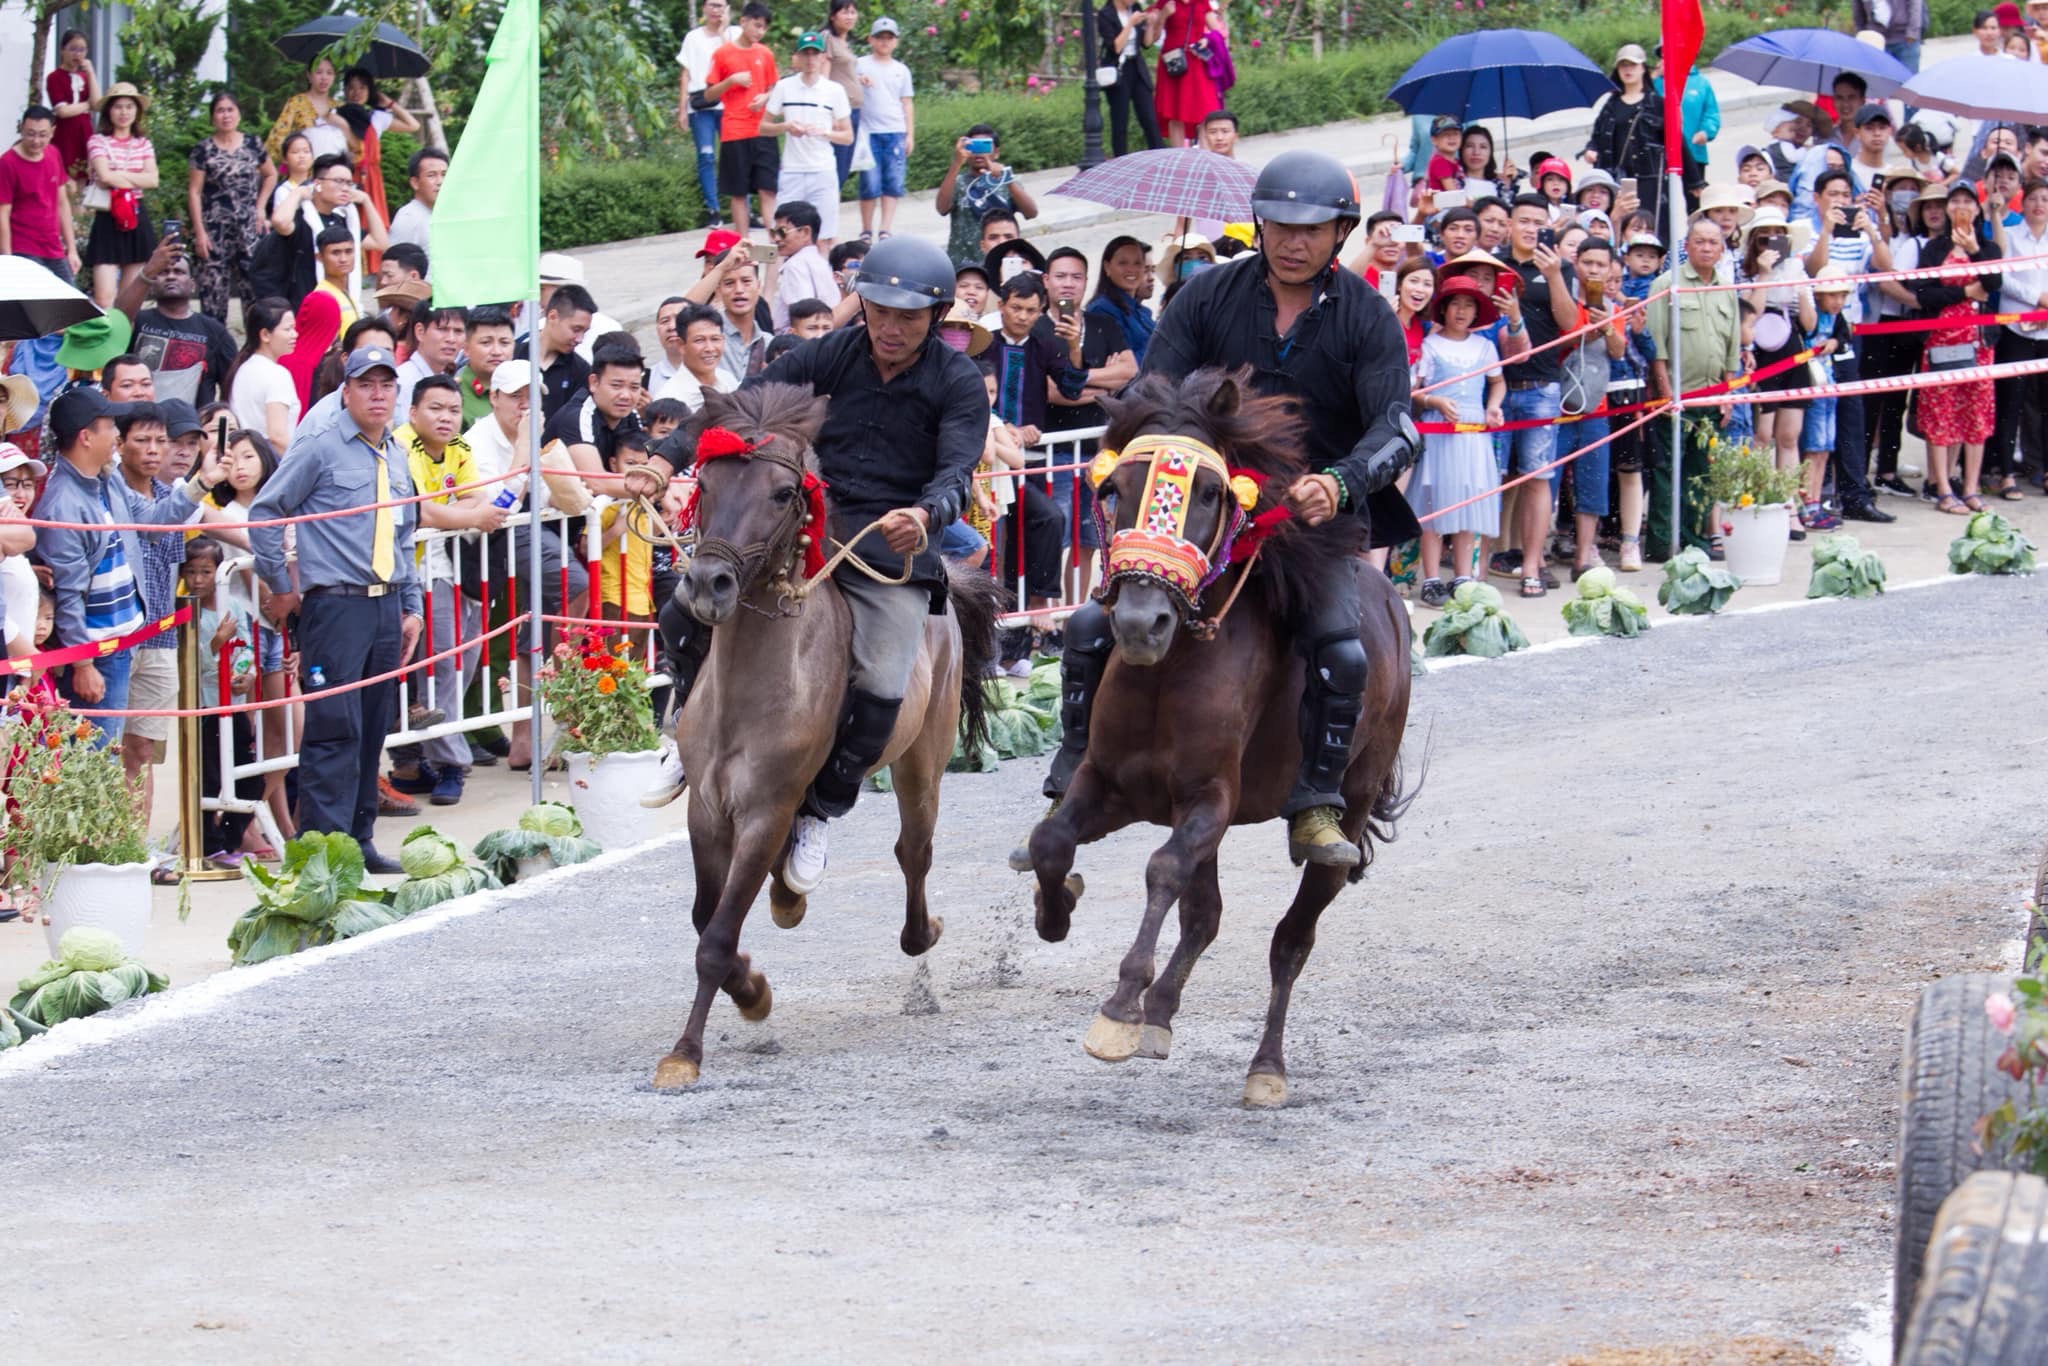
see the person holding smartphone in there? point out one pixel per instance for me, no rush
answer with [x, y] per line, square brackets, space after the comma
[975, 183]
[1851, 241]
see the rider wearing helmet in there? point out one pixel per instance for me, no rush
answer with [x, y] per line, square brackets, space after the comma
[905, 427]
[1314, 331]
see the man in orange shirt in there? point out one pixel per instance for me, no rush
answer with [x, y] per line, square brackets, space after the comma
[741, 75]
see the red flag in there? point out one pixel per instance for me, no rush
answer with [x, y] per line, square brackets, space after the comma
[1684, 30]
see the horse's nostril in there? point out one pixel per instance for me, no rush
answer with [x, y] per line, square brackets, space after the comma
[1162, 622]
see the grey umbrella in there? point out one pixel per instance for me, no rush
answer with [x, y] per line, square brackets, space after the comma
[35, 303]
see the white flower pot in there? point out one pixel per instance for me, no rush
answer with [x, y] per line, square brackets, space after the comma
[106, 896]
[605, 791]
[1756, 544]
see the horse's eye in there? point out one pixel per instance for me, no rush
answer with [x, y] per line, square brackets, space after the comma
[785, 496]
[1210, 495]
[1108, 500]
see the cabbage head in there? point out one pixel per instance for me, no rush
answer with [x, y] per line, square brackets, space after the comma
[428, 853]
[62, 990]
[1694, 585]
[1603, 609]
[435, 872]
[85, 948]
[548, 830]
[1842, 568]
[1473, 623]
[1991, 545]
[550, 818]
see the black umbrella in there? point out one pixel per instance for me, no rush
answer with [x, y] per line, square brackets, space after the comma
[391, 52]
[35, 303]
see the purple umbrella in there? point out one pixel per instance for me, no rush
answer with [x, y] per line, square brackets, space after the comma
[1999, 88]
[1187, 182]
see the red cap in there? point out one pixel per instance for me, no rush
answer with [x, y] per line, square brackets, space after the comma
[718, 242]
[2008, 15]
[1553, 166]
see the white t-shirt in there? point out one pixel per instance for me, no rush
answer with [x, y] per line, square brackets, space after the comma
[413, 223]
[489, 446]
[259, 383]
[813, 106]
[881, 104]
[684, 386]
[694, 56]
[19, 591]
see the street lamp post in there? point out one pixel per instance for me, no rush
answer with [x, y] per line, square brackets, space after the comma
[1091, 98]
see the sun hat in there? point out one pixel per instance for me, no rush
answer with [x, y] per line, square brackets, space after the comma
[1771, 187]
[1171, 249]
[13, 457]
[1463, 287]
[1594, 179]
[90, 344]
[1504, 275]
[22, 402]
[978, 336]
[410, 291]
[559, 268]
[1832, 279]
[119, 90]
[2008, 15]
[1905, 170]
[1725, 197]
[1799, 234]
[992, 264]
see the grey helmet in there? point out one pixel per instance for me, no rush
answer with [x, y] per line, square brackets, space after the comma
[904, 272]
[1305, 187]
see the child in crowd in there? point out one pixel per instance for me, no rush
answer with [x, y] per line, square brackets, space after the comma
[1830, 334]
[628, 570]
[1752, 167]
[1741, 421]
[46, 618]
[1443, 172]
[1458, 466]
[227, 631]
[1627, 384]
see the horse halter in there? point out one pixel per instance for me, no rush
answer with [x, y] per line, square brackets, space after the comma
[806, 513]
[1156, 549]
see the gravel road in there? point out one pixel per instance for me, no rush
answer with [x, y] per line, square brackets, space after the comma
[1601, 1055]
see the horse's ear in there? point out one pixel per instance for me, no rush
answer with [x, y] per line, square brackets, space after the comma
[814, 418]
[1224, 402]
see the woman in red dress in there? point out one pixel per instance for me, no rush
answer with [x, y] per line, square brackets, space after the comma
[74, 91]
[1183, 93]
[1960, 414]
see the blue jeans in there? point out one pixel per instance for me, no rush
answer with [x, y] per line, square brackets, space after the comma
[886, 180]
[1589, 471]
[1908, 53]
[960, 541]
[704, 126]
[842, 157]
[1534, 447]
[114, 670]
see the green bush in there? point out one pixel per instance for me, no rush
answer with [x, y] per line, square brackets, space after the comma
[394, 151]
[605, 202]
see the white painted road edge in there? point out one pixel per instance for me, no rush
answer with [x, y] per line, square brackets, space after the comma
[203, 997]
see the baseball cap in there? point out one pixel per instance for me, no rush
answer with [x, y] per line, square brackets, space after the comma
[1630, 52]
[1444, 123]
[512, 377]
[180, 418]
[1871, 113]
[76, 410]
[810, 40]
[1645, 239]
[13, 457]
[364, 359]
[882, 25]
[559, 268]
[717, 242]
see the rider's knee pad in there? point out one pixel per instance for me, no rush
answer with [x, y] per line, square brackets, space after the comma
[1337, 662]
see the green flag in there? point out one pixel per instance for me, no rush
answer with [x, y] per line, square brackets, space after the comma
[486, 224]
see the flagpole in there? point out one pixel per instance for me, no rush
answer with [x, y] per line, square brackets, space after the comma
[1682, 27]
[1675, 204]
[536, 500]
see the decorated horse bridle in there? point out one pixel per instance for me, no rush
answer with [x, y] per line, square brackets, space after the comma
[1156, 550]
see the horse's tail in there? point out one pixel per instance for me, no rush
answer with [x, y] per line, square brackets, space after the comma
[977, 597]
[1389, 805]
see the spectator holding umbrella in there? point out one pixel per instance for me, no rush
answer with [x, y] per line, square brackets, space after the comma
[74, 93]
[312, 112]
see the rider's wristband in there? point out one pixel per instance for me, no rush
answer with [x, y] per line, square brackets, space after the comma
[1343, 489]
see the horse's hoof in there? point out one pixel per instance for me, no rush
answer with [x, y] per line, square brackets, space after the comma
[1020, 859]
[1111, 1040]
[787, 914]
[763, 1003]
[1265, 1091]
[1154, 1041]
[910, 946]
[674, 1072]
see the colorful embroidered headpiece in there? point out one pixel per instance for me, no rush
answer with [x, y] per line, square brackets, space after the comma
[1156, 546]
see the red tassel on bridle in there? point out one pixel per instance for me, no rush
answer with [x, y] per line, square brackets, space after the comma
[719, 442]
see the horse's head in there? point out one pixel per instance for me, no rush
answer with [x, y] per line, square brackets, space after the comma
[757, 496]
[1176, 500]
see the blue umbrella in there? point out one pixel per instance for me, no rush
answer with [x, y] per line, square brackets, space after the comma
[1809, 59]
[1498, 73]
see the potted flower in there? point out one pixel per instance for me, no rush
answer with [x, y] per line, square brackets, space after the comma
[1754, 500]
[596, 690]
[75, 835]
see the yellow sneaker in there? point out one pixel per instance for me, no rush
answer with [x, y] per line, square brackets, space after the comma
[1315, 836]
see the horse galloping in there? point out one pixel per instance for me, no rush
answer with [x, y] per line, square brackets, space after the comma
[1195, 722]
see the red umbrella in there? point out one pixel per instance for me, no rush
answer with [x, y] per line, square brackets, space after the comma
[1186, 182]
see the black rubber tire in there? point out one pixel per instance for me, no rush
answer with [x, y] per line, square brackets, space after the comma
[1984, 1295]
[1946, 1084]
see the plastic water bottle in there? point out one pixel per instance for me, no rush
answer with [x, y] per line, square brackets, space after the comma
[244, 660]
[509, 495]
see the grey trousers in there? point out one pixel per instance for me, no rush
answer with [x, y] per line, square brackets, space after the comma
[888, 628]
[451, 675]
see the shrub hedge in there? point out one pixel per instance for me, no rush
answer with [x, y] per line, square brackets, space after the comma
[613, 201]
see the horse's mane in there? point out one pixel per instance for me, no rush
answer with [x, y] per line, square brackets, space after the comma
[786, 412]
[1258, 433]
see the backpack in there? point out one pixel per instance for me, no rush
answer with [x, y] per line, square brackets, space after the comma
[1585, 376]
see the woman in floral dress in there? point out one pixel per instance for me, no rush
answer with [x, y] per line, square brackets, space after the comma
[1964, 413]
[231, 179]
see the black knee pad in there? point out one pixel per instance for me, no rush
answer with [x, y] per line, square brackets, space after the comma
[1336, 663]
[1087, 630]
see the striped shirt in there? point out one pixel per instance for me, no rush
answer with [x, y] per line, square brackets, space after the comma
[112, 606]
[163, 559]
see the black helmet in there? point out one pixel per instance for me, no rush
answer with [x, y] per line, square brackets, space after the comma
[905, 273]
[1305, 187]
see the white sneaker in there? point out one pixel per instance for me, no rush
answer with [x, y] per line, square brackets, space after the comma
[804, 869]
[670, 783]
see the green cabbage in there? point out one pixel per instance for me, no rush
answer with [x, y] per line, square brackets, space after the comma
[548, 830]
[436, 872]
[1694, 585]
[1842, 568]
[1602, 609]
[91, 972]
[16, 1028]
[1023, 720]
[1991, 545]
[1473, 623]
[315, 896]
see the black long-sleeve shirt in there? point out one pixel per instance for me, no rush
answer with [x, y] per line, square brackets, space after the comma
[1935, 293]
[912, 441]
[1344, 359]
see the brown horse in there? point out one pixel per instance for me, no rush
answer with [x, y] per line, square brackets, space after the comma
[760, 720]
[1195, 728]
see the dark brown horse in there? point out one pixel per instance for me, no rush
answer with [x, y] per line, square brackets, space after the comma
[1200, 734]
[760, 720]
